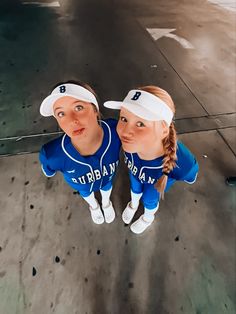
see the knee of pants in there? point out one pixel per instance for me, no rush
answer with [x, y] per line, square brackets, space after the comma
[150, 197]
[84, 193]
[107, 187]
[150, 204]
[136, 190]
[135, 185]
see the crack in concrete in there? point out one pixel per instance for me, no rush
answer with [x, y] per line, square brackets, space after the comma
[24, 238]
[21, 283]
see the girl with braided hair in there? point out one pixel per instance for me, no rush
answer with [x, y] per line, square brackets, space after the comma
[154, 156]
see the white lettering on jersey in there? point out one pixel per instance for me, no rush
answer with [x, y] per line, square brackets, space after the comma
[104, 172]
[82, 180]
[97, 174]
[129, 164]
[90, 177]
[134, 170]
[142, 177]
[151, 180]
[112, 168]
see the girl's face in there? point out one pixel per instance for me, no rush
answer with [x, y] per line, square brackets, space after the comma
[139, 135]
[78, 119]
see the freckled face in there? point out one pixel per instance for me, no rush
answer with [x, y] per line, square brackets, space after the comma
[78, 119]
[138, 135]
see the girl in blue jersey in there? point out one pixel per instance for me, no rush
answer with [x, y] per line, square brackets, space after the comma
[152, 153]
[88, 153]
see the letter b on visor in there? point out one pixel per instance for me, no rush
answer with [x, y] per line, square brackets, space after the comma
[136, 96]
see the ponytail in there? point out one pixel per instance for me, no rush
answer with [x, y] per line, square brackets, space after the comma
[169, 161]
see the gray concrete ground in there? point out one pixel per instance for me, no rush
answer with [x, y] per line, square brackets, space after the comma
[53, 259]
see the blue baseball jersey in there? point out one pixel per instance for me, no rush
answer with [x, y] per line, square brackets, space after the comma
[149, 171]
[83, 173]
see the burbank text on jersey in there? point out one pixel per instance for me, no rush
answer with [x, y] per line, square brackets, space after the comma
[149, 171]
[83, 173]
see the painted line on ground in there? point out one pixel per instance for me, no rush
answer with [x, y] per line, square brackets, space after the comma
[228, 5]
[54, 4]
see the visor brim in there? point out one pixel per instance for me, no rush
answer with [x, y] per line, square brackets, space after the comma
[136, 109]
[46, 108]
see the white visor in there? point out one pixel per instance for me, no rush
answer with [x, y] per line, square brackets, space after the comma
[72, 90]
[145, 105]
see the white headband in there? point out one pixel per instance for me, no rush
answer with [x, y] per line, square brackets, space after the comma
[72, 90]
[144, 105]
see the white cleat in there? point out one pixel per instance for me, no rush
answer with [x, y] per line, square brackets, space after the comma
[128, 213]
[140, 225]
[109, 213]
[97, 215]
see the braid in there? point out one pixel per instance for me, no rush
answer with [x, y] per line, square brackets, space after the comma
[169, 143]
[170, 146]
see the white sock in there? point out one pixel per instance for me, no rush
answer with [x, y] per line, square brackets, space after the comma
[105, 197]
[135, 198]
[91, 200]
[149, 214]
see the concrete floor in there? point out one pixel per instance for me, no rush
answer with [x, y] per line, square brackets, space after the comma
[52, 258]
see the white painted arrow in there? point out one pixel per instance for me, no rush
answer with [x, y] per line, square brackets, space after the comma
[157, 33]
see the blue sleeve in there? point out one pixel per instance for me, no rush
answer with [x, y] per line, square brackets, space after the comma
[45, 164]
[186, 165]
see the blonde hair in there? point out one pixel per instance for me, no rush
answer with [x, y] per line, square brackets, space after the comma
[169, 142]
